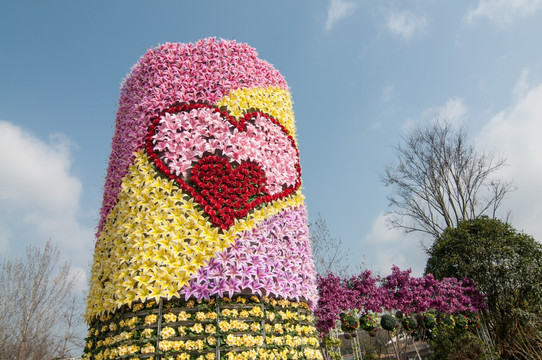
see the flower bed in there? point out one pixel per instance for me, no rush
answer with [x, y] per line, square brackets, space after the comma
[242, 327]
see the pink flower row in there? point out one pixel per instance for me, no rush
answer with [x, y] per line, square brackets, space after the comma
[274, 259]
[398, 291]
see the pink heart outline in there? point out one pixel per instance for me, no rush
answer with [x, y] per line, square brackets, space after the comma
[241, 126]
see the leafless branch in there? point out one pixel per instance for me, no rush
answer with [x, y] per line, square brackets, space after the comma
[37, 307]
[328, 254]
[439, 180]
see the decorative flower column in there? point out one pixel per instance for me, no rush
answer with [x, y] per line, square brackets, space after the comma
[202, 246]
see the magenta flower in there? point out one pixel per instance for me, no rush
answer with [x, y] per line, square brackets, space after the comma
[397, 291]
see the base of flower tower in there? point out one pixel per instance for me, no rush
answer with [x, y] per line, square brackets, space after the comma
[241, 327]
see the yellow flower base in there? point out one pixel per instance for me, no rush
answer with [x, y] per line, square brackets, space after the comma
[242, 327]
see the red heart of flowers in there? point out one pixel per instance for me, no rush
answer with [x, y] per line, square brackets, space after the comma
[240, 187]
[224, 192]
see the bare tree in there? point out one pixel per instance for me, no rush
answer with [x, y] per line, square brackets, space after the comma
[527, 343]
[327, 251]
[439, 179]
[37, 306]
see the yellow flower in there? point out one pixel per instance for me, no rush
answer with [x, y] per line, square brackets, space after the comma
[313, 341]
[183, 316]
[150, 319]
[147, 349]
[210, 329]
[147, 333]
[132, 322]
[167, 332]
[231, 340]
[122, 350]
[170, 317]
[200, 316]
[165, 345]
[197, 328]
[192, 345]
[177, 345]
[211, 315]
[133, 349]
[211, 340]
[224, 326]
[256, 311]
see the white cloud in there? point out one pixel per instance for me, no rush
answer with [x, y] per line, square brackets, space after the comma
[406, 24]
[387, 93]
[381, 232]
[392, 247]
[337, 10]
[453, 111]
[81, 280]
[515, 133]
[39, 197]
[502, 12]
[522, 86]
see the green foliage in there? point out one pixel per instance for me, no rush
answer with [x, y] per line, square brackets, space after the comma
[409, 323]
[505, 264]
[446, 321]
[349, 322]
[330, 342]
[454, 344]
[461, 322]
[388, 322]
[428, 321]
[368, 322]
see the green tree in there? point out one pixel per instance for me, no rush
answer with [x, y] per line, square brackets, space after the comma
[506, 266]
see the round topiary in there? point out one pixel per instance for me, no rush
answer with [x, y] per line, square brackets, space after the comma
[349, 323]
[399, 314]
[367, 322]
[473, 320]
[429, 321]
[461, 321]
[388, 322]
[409, 323]
[446, 320]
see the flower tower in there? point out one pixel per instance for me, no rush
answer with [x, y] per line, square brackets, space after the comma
[202, 247]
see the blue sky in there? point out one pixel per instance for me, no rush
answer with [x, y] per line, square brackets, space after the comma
[360, 72]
